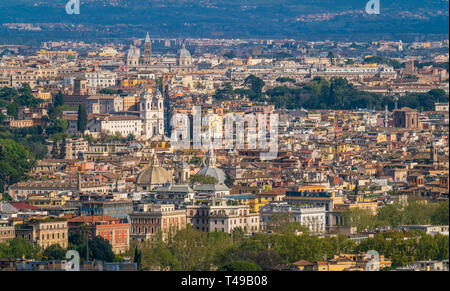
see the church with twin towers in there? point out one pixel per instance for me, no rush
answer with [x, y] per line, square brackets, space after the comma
[145, 61]
[154, 107]
[134, 55]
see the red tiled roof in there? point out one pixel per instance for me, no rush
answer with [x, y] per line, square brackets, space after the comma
[92, 219]
[303, 263]
[23, 206]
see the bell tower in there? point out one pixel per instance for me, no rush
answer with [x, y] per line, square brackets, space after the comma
[148, 51]
[434, 155]
[182, 173]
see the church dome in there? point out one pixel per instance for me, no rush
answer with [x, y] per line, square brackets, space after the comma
[133, 52]
[211, 170]
[183, 52]
[153, 176]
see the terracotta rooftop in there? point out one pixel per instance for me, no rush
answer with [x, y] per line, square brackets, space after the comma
[92, 219]
[303, 263]
[23, 206]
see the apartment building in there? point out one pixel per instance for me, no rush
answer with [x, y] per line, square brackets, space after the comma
[310, 216]
[114, 230]
[149, 219]
[44, 232]
[219, 216]
[7, 231]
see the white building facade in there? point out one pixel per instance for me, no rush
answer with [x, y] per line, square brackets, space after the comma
[101, 79]
[152, 114]
[309, 216]
[125, 125]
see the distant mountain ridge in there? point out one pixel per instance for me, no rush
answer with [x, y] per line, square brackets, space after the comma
[243, 18]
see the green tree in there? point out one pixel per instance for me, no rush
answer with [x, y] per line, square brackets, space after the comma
[59, 99]
[191, 249]
[85, 232]
[54, 153]
[269, 260]
[54, 252]
[62, 150]
[130, 137]
[137, 258]
[101, 249]
[97, 248]
[202, 179]
[18, 248]
[229, 181]
[283, 223]
[110, 91]
[226, 92]
[255, 84]
[13, 109]
[82, 119]
[285, 79]
[6, 197]
[241, 266]
[440, 213]
[15, 161]
[156, 253]
[362, 219]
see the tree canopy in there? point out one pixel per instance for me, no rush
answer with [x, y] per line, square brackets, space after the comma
[393, 215]
[15, 161]
[82, 119]
[12, 98]
[202, 179]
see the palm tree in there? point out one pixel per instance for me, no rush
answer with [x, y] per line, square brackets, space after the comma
[84, 231]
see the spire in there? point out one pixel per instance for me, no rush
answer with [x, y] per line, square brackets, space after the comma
[147, 51]
[211, 157]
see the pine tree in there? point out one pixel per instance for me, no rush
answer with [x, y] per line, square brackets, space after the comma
[137, 257]
[59, 99]
[82, 119]
[54, 152]
[62, 150]
[356, 188]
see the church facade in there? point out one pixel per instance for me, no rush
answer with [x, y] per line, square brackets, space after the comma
[152, 114]
[136, 61]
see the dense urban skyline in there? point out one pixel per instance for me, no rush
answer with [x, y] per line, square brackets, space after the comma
[142, 148]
